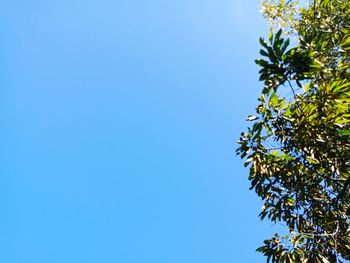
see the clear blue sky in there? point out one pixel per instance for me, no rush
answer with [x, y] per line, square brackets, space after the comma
[118, 127]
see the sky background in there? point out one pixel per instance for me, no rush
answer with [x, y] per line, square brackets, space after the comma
[118, 127]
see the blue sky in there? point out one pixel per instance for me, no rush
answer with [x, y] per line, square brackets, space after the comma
[118, 128]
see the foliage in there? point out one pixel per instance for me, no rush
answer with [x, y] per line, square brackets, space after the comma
[281, 14]
[298, 143]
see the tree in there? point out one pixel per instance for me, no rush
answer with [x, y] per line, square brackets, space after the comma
[298, 143]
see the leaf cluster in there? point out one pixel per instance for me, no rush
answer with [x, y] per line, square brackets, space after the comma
[297, 147]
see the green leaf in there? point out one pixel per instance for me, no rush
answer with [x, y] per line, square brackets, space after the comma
[346, 43]
[290, 200]
[252, 118]
[248, 161]
[263, 43]
[312, 160]
[344, 132]
[284, 46]
[263, 53]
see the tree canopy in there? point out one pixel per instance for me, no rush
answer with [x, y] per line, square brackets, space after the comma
[297, 145]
